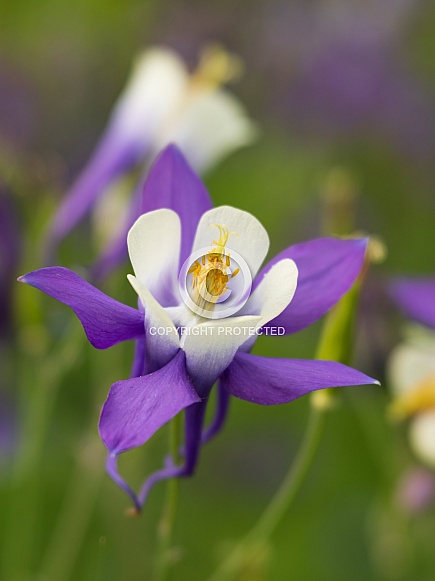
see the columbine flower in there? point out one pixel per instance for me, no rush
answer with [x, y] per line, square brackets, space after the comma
[161, 103]
[175, 370]
[412, 367]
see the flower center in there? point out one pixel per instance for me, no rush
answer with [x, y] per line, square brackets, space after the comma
[211, 275]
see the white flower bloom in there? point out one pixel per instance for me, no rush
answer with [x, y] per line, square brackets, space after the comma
[163, 103]
[412, 377]
[422, 437]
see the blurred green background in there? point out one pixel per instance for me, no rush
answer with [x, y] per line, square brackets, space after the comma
[348, 85]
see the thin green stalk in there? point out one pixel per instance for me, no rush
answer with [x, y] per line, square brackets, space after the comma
[164, 559]
[335, 344]
[253, 543]
[291, 484]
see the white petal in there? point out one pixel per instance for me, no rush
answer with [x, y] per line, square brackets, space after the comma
[422, 436]
[410, 364]
[274, 293]
[211, 346]
[213, 124]
[250, 238]
[182, 316]
[161, 346]
[157, 86]
[154, 248]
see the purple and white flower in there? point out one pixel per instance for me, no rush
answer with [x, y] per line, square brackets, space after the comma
[174, 370]
[162, 103]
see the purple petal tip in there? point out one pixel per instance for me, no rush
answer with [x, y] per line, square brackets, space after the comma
[364, 242]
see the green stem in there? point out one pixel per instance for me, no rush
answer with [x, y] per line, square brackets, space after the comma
[164, 559]
[254, 542]
[335, 344]
[292, 482]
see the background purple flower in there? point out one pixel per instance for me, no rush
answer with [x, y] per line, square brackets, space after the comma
[416, 298]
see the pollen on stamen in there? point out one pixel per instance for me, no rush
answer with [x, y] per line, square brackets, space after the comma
[213, 273]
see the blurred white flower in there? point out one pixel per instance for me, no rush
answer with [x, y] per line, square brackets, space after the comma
[411, 372]
[162, 103]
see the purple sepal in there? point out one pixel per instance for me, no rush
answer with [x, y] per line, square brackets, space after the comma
[136, 408]
[327, 269]
[105, 320]
[194, 421]
[268, 381]
[173, 184]
[416, 297]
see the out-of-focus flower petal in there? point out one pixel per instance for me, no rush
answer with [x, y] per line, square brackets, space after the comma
[327, 269]
[422, 437]
[416, 297]
[157, 84]
[416, 490]
[136, 408]
[173, 184]
[211, 346]
[268, 381]
[109, 161]
[218, 122]
[154, 245]
[411, 363]
[116, 250]
[248, 236]
[105, 320]
[162, 341]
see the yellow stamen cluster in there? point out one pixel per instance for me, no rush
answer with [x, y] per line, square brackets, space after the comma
[421, 398]
[217, 67]
[210, 276]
